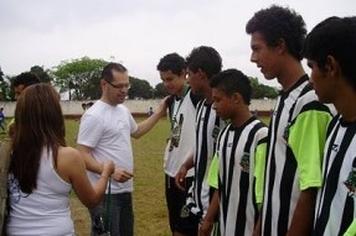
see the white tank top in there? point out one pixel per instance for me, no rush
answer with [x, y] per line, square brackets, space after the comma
[46, 210]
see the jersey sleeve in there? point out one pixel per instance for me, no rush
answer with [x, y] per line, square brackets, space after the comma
[90, 131]
[307, 136]
[351, 231]
[259, 172]
[213, 174]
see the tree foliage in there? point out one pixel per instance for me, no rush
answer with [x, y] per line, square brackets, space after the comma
[261, 90]
[160, 91]
[80, 77]
[5, 88]
[140, 89]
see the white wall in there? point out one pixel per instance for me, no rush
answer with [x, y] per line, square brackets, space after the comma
[135, 106]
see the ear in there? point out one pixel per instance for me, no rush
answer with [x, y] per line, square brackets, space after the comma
[102, 83]
[237, 98]
[281, 46]
[332, 67]
[202, 74]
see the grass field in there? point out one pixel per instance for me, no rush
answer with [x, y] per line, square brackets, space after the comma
[149, 201]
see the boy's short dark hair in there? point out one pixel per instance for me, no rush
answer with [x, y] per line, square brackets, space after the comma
[276, 23]
[26, 79]
[335, 37]
[107, 71]
[205, 58]
[173, 62]
[233, 81]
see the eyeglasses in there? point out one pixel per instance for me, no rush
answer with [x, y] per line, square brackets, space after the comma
[119, 86]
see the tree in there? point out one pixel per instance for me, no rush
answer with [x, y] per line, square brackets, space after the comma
[261, 90]
[41, 73]
[80, 77]
[140, 89]
[160, 91]
[5, 89]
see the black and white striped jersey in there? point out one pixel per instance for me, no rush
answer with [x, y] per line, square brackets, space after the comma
[335, 208]
[297, 134]
[208, 126]
[239, 149]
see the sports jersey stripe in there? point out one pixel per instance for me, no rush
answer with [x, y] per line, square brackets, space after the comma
[347, 215]
[326, 163]
[223, 186]
[289, 172]
[231, 166]
[331, 183]
[270, 172]
[245, 185]
[203, 154]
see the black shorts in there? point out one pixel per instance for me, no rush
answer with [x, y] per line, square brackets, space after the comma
[176, 199]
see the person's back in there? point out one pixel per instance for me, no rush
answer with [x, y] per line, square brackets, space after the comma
[43, 170]
[46, 210]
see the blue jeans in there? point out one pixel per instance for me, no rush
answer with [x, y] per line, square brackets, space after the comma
[121, 215]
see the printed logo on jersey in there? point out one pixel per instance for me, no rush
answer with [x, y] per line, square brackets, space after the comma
[245, 162]
[350, 182]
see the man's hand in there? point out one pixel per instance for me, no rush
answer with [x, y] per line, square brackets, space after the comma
[121, 175]
[180, 177]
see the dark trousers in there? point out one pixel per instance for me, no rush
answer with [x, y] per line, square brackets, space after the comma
[121, 215]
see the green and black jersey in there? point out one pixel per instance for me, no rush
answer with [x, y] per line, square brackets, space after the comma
[297, 135]
[237, 171]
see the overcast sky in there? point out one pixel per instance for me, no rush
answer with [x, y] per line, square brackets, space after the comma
[137, 33]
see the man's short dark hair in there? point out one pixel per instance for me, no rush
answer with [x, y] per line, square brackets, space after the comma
[173, 62]
[26, 79]
[205, 58]
[335, 37]
[276, 23]
[107, 71]
[233, 81]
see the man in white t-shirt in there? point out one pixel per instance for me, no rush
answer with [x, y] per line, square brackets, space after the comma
[105, 133]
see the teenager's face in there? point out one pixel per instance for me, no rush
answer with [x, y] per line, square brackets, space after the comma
[117, 90]
[173, 83]
[223, 104]
[195, 81]
[265, 57]
[322, 84]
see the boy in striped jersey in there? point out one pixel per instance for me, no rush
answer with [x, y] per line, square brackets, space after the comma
[203, 62]
[330, 49]
[181, 105]
[298, 126]
[238, 166]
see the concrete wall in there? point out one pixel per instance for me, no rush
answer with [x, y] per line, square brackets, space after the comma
[135, 106]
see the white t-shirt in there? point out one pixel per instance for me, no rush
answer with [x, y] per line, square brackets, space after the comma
[46, 210]
[107, 130]
[183, 135]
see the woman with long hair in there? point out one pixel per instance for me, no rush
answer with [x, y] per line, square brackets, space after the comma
[43, 169]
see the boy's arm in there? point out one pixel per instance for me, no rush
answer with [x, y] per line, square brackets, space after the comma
[307, 137]
[208, 222]
[302, 221]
